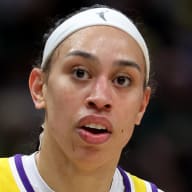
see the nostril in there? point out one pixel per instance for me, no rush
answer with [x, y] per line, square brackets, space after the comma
[91, 104]
[98, 105]
[107, 106]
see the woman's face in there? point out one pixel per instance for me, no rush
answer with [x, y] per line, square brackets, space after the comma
[94, 95]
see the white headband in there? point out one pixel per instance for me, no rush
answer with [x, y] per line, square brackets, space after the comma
[91, 17]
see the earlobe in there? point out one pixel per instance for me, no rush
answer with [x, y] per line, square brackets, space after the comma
[36, 84]
[144, 104]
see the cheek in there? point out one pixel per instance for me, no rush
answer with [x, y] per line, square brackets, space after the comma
[126, 132]
[127, 117]
[128, 109]
[62, 92]
[61, 105]
[61, 101]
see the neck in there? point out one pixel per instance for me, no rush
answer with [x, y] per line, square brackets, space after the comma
[69, 178]
[63, 175]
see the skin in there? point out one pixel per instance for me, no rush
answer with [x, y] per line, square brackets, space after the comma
[97, 72]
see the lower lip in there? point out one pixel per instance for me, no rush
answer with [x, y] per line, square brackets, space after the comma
[93, 138]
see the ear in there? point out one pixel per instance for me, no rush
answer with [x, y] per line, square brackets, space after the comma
[36, 83]
[144, 104]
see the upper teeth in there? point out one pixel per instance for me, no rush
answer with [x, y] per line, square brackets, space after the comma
[95, 126]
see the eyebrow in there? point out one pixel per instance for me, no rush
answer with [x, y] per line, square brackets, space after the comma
[122, 62]
[128, 63]
[84, 54]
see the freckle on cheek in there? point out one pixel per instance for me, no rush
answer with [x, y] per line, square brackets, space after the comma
[122, 130]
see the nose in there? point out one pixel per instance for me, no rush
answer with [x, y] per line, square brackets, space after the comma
[100, 97]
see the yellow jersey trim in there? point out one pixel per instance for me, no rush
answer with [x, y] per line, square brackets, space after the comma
[7, 182]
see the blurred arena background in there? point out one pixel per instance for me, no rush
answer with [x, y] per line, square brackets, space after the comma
[161, 148]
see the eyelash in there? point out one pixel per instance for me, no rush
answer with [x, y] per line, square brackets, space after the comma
[122, 77]
[83, 71]
[80, 70]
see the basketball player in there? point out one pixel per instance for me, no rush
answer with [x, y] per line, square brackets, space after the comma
[93, 83]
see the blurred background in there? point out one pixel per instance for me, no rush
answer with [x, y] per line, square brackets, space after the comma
[160, 150]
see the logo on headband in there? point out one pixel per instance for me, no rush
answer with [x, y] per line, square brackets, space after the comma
[102, 15]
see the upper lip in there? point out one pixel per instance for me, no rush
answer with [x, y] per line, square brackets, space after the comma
[94, 119]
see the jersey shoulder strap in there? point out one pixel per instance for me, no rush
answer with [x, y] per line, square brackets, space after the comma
[136, 184]
[7, 182]
[141, 185]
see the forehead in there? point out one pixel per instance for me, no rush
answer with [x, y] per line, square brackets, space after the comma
[96, 32]
[107, 44]
[103, 38]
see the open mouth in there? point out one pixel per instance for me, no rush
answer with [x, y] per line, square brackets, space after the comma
[94, 135]
[94, 130]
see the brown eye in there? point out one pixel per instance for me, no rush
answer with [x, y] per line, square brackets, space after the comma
[80, 73]
[122, 81]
